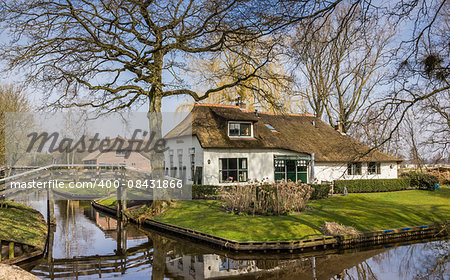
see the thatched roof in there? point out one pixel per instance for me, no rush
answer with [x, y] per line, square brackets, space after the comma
[301, 133]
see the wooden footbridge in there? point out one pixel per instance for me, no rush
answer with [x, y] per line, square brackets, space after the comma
[134, 258]
[117, 262]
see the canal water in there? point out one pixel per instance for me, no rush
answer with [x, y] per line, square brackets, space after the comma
[90, 245]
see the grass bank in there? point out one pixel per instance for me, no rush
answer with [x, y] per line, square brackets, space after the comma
[365, 212]
[84, 189]
[22, 224]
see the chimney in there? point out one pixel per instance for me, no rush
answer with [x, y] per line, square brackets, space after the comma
[338, 127]
[256, 112]
[240, 103]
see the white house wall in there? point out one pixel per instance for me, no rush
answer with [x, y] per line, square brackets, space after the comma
[184, 143]
[209, 266]
[260, 163]
[328, 171]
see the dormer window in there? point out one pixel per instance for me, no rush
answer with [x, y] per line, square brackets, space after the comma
[240, 129]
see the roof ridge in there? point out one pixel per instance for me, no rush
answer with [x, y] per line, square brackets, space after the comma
[249, 111]
[287, 114]
[215, 105]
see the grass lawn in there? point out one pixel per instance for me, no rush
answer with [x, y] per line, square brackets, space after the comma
[86, 189]
[22, 224]
[365, 212]
[109, 201]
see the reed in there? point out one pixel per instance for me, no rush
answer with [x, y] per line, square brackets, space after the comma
[259, 198]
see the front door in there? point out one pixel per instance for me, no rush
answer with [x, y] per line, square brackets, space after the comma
[291, 170]
[302, 171]
[302, 176]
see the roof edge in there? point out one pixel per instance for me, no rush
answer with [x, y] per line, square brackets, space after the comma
[249, 111]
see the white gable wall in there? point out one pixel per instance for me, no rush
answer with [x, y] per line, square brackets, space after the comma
[184, 143]
[329, 171]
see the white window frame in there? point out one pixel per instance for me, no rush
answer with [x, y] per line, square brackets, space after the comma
[238, 170]
[239, 136]
[377, 168]
[180, 162]
[352, 167]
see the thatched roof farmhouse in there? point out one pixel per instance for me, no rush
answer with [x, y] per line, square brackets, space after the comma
[218, 144]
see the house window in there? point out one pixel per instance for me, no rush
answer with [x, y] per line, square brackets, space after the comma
[374, 168]
[192, 161]
[171, 164]
[180, 162]
[354, 168]
[302, 166]
[233, 170]
[238, 129]
[270, 127]
[280, 169]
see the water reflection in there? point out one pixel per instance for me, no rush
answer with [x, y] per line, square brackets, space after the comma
[90, 245]
[419, 261]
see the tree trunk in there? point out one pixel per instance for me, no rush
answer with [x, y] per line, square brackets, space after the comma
[155, 128]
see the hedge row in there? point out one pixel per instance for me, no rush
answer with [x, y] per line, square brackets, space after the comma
[204, 191]
[372, 185]
[320, 191]
[421, 180]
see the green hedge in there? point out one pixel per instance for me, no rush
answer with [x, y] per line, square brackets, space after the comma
[421, 180]
[372, 185]
[320, 191]
[204, 191]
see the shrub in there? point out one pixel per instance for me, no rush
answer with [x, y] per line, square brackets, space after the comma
[204, 191]
[320, 191]
[259, 198]
[442, 174]
[371, 185]
[422, 181]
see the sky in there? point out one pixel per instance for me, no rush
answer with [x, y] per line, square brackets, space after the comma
[169, 104]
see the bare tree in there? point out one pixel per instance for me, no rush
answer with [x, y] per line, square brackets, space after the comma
[341, 63]
[375, 132]
[113, 55]
[119, 54]
[310, 50]
[421, 63]
[119, 50]
[75, 127]
[435, 118]
[412, 134]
